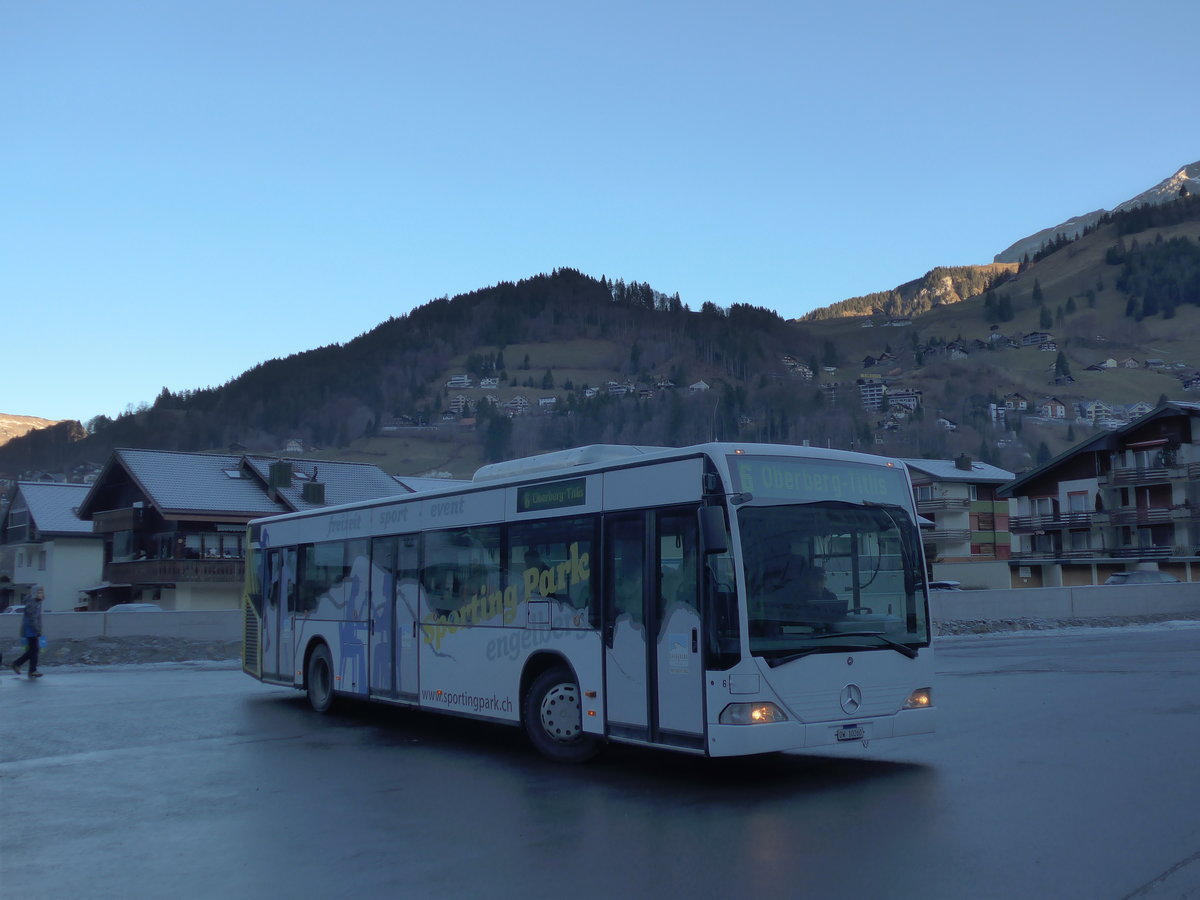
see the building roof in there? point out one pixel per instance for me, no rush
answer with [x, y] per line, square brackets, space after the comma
[344, 482]
[1109, 440]
[190, 483]
[213, 485]
[414, 483]
[948, 470]
[52, 507]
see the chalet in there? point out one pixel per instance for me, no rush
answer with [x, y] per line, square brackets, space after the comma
[547, 402]
[1137, 410]
[1052, 408]
[664, 384]
[1094, 411]
[48, 544]
[869, 362]
[489, 383]
[1048, 346]
[948, 424]
[396, 423]
[458, 403]
[1015, 402]
[173, 524]
[1129, 363]
[459, 381]
[697, 387]
[1035, 338]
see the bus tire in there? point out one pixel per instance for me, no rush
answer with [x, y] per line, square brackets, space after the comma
[319, 679]
[553, 718]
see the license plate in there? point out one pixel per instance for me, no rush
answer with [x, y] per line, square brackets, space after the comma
[853, 733]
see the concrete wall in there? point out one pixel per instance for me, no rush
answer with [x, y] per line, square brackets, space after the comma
[1088, 601]
[200, 625]
[1013, 603]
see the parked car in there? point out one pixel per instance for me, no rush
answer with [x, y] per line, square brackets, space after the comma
[16, 609]
[135, 607]
[1141, 578]
[945, 585]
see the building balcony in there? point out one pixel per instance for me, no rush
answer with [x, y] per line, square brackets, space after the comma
[1050, 521]
[174, 571]
[1147, 475]
[924, 506]
[1141, 552]
[110, 520]
[1149, 515]
[1098, 554]
[1060, 555]
[951, 534]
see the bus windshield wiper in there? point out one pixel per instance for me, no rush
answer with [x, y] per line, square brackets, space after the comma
[902, 649]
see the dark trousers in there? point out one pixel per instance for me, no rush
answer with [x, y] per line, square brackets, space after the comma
[32, 648]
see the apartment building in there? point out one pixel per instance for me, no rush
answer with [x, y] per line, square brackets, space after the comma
[969, 540]
[1125, 499]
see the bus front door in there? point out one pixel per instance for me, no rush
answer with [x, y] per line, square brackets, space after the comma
[653, 675]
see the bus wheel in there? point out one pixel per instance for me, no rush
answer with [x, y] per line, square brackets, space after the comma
[320, 679]
[553, 718]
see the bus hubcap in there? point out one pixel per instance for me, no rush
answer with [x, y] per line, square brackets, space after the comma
[561, 716]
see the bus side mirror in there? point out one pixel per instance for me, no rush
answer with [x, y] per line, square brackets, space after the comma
[712, 530]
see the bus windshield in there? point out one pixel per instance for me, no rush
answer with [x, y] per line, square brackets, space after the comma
[830, 576]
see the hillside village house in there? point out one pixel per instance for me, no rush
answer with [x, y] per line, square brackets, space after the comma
[1124, 499]
[970, 540]
[172, 525]
[48, 544]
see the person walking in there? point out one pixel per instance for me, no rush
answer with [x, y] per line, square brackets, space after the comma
[31, 630]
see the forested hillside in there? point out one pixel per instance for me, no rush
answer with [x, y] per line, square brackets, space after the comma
[565, 359]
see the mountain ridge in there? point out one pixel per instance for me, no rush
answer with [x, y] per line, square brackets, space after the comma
[1165, 191]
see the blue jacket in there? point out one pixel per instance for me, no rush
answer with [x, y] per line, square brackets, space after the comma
[31, 619]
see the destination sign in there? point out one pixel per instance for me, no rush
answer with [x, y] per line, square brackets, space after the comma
[552, 496]
[808, 480]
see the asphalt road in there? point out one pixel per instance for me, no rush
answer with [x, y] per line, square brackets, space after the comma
[1064, 767]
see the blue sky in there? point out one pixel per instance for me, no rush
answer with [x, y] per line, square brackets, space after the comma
[190, 188]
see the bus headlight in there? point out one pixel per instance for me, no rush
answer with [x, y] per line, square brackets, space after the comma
[751, 714]
[921, 698]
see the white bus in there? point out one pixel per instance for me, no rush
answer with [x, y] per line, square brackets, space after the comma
[660, 597]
